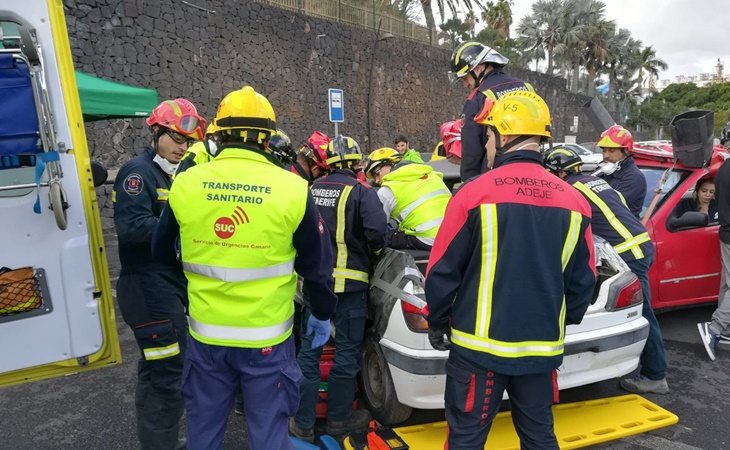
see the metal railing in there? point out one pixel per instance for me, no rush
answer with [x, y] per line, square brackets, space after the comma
[342, 11]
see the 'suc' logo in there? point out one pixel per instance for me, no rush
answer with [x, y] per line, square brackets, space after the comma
[224, 227]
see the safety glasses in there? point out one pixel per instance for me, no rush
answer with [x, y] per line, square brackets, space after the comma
[178, 138]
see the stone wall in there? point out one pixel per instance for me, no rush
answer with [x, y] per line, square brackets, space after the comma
[182, 50]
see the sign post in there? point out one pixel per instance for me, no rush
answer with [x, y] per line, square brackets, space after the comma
[336, 106]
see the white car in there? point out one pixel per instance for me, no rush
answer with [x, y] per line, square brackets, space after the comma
[400, 370]
[590, 159]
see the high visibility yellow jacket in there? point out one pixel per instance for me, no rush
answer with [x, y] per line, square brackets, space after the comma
[242, 221]
[197, 154]
[421, 197]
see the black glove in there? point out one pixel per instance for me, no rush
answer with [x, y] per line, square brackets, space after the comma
[440, 338]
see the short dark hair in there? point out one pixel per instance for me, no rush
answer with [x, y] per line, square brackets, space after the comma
[401, 138]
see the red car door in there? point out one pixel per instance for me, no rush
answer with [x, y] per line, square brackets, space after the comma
[686, 268]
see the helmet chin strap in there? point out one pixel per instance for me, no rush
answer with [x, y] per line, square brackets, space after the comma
[479, 78]
[156, 139]
[502, 149]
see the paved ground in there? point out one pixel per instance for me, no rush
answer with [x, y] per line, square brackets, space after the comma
[95, 410]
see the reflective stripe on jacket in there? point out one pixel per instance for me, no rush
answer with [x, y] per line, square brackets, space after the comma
[356, 223]
[512, 265]
[237, 215]
[612, 219]
[421, 198]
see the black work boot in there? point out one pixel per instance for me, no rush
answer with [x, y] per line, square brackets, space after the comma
[358, 421]
[182, 444]
[305, 434]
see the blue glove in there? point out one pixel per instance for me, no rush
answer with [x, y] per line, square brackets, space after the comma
[321, 330]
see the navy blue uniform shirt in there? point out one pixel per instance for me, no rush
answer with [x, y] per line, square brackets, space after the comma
[631, 183]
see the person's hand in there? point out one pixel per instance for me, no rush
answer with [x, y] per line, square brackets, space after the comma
[320, 329]
[439, 338]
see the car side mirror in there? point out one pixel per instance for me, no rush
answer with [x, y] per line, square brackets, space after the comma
[690, 219]
[99, 174]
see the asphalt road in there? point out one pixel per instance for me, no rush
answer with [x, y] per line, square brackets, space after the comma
[95, 410]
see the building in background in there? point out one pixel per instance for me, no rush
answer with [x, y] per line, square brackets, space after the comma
[700, 80]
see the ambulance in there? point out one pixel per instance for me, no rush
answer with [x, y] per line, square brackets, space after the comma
[56, 310]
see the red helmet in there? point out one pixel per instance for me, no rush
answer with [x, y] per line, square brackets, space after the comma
[616, 137]
[451, 136]
[179, 115]
[315, 148]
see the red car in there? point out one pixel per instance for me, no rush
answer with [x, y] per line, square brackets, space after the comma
[686, 269]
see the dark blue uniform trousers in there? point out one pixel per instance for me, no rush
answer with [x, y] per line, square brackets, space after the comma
[152, 304]
[653, 358]
[473, 397]
[349, 322]
[269, 379]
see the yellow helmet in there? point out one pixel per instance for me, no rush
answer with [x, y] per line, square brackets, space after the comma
[518, 113]
[247, 113]
[212, 129]
[384, 155]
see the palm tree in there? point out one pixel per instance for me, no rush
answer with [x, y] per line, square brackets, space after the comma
[622, 62]
[529, 40]
[544, 28]
[442, 4]
[649, 64]
[454, 32]
[596, 36]
[470, 21]
[578, 17]
[498, 16]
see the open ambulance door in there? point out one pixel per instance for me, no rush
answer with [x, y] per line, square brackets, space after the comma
[56, 310]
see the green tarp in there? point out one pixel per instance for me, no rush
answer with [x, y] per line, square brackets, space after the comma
[104, 99]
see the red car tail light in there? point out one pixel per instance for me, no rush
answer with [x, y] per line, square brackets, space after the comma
[625, 293]
[414, 317]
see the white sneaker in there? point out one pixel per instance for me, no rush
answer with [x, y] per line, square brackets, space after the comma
[709, 339]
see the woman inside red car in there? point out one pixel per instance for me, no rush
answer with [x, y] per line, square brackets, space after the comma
[703, 200]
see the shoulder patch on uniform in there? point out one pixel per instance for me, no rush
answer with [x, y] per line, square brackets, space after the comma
[133, 184]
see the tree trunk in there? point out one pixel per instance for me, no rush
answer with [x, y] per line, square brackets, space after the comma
[611, 93]
[430, 22]
[590, 84]
[549, 70]
[576, 79]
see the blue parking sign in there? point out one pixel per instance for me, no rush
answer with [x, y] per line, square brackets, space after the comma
[336, 105]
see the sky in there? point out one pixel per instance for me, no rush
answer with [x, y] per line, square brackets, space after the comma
[689, 35]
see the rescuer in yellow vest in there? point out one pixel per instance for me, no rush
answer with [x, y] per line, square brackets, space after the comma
[412, 194]
[245, 225]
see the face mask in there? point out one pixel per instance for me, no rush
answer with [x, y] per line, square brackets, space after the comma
[211, 146]
[606, 168]
[166, 166]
